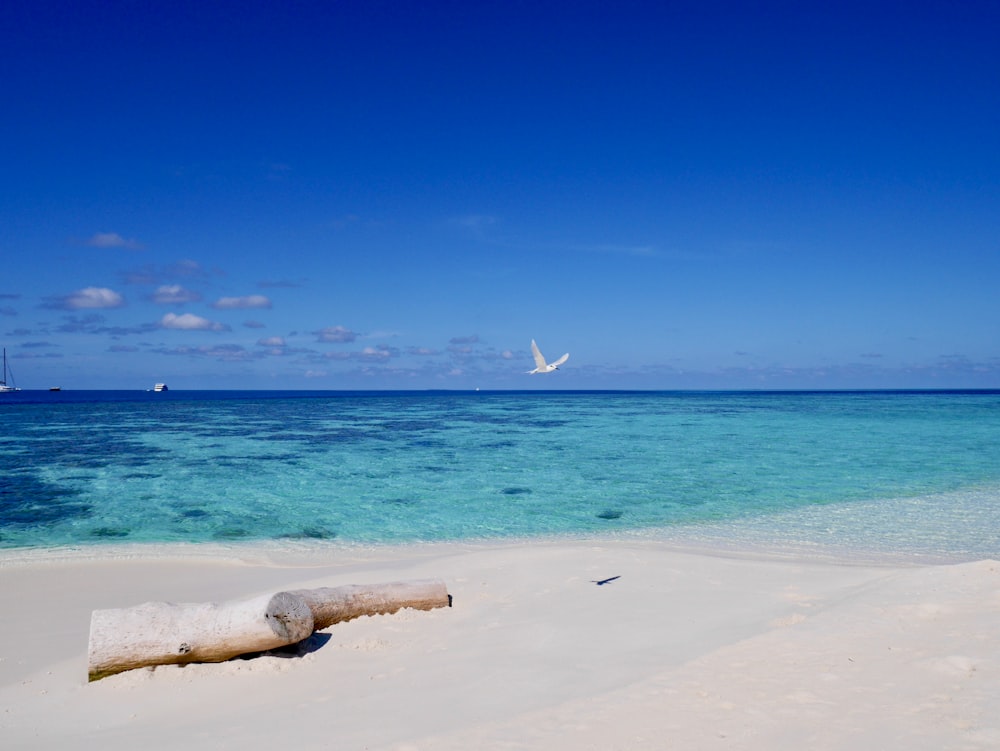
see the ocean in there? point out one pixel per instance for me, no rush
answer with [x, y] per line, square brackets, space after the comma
[905, 474]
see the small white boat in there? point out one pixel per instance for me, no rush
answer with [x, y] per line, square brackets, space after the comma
[4, 386]
[160, 387]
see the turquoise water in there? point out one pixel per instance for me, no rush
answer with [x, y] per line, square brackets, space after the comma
[892, 471]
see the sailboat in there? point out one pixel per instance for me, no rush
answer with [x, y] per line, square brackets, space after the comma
[4, 386]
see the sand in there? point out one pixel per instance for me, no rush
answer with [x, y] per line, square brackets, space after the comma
[685, 650]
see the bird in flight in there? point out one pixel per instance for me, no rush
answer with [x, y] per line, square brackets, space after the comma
[540, 365]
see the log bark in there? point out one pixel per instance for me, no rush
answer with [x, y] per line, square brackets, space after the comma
[163, 633]
[330, 605]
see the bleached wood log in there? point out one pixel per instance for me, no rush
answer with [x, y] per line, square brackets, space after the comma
[331, 605]
[163, 633]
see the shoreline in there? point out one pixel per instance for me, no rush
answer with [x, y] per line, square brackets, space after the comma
[936, 531]
[684, 649]
[695, 539]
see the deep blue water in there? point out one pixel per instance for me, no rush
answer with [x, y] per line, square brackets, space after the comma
[891, 471]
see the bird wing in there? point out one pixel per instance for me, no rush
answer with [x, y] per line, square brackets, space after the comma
[561, 360]
[539, 360]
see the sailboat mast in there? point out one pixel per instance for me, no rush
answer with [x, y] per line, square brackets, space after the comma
[3, 375]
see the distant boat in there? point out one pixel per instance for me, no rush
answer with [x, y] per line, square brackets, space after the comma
[55, 388]
[160, 387]
[4, 386]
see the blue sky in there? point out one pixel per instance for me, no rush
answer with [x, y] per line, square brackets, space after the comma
[402, 195]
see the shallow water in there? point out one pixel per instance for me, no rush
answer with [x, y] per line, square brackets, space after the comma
[881, 471]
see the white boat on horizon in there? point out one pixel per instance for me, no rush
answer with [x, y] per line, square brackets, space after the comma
[4, 386]
[160, 387]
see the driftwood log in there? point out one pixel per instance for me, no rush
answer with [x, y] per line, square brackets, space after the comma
[163, 633]
[330, 605]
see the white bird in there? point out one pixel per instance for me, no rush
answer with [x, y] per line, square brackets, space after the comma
[540, 365]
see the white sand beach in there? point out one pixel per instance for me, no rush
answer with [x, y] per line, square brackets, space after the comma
[684, 650]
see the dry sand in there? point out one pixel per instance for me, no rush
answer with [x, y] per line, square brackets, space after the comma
[683, 651]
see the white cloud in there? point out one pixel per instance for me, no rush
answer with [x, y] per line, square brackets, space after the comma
[335, 334]
[378, 354]
[112, 240]
[190, 322]
[248, 301]
[173, 294]
[93, 297]
[272, 341]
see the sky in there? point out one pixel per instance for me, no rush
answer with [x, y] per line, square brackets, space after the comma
[402, 195]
